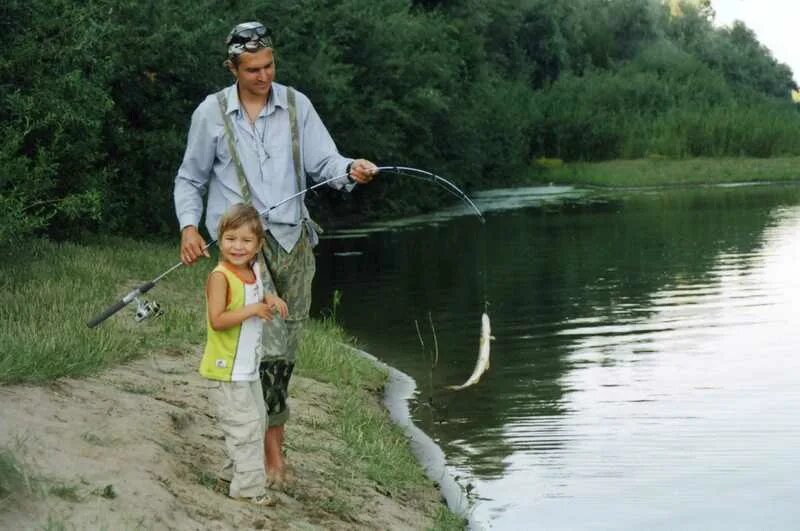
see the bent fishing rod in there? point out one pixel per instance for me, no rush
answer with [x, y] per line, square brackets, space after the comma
[145, 309]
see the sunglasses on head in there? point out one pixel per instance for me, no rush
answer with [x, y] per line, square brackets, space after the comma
[248, 37]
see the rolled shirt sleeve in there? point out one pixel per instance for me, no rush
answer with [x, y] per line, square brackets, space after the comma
[191, 182]
[321, 158]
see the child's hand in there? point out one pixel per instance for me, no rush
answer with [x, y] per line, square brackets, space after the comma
[262, 310]
[276, 304]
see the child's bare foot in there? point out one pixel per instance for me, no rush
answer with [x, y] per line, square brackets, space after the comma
[264, 500]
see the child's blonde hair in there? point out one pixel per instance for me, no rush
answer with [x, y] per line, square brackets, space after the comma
[241, 215]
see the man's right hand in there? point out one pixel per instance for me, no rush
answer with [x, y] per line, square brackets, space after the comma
[192, 245]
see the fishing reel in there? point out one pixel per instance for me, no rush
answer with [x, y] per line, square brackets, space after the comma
[146, 309]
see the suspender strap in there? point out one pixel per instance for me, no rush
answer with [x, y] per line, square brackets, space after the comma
[245, 188]
[223, 109]
[295, 138]
[315, 229]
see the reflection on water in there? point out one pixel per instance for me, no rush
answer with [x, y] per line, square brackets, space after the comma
[643, 375]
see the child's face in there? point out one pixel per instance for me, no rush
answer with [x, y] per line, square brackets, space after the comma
[239, 246]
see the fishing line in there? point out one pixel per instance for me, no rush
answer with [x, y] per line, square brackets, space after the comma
[484, 266]
[454, 190]
[147, 309]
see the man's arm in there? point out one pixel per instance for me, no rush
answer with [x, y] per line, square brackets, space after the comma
[322, 160]
[191, 183]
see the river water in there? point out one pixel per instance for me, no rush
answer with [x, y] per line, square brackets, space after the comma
[645, 372]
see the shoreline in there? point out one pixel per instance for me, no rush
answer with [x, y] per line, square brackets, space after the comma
[668, 172]
[398, 391]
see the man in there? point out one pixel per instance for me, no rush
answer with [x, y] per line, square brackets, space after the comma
[244, 145]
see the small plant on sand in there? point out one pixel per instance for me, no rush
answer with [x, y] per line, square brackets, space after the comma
[339, 507]
[14, 478]
[106, 492]
[180, 419]
[97, 440]
[208, 479]
[138, 389]
[65, 492]
[54, 525]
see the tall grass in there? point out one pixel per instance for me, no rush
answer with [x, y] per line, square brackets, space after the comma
[658, 171]
[665, 110]
[326, 355]
[48, 291]
[733, 130]
[749, 130]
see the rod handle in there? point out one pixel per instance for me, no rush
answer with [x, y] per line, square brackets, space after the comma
[120, 304]
[108, 312]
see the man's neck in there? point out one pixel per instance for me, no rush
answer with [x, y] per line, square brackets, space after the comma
[248, 98]
[252, 103]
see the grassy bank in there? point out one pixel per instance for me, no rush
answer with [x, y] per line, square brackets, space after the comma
[46, 300]
[49, 291]
[657, 171]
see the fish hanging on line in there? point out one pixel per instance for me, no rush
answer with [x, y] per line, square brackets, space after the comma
[482, 365]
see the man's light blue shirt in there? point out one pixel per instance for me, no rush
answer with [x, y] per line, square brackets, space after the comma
[265, 151]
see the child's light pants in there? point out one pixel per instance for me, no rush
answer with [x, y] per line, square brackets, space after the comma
[243, 419]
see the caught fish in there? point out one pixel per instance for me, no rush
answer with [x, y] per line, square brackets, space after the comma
[482, 365]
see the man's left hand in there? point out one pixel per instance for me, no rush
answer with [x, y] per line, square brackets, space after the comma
[362, 171]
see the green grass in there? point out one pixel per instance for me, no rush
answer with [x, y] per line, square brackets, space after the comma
[48, 292]
[372, 442]
[371, 439]
[325, 356]
[659, 171]
[446, 520]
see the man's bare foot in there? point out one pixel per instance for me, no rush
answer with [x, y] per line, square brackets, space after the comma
[276, 480]
[288, 473]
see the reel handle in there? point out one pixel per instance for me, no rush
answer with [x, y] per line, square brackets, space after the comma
[120, 304]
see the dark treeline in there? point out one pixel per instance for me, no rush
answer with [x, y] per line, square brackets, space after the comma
[95, 97]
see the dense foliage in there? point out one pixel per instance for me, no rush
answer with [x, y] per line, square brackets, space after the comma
[95, 97]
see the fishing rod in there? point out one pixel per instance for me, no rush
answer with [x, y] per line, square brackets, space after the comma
[145, 309]
[427, 176]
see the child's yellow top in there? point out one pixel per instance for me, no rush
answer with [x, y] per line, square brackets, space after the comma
[233, 354]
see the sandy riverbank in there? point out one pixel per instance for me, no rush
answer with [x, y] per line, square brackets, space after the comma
[136, 448]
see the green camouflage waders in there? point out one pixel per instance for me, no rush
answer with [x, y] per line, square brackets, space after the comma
[289, 276]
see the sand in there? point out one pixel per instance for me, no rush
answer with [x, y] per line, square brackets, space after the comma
[136, 447]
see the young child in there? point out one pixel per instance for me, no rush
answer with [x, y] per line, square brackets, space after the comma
[236, 306]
